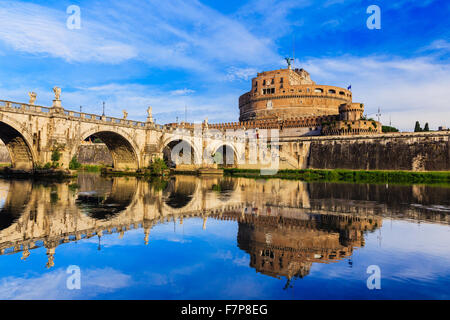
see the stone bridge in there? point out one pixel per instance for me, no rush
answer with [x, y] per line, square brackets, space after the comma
[32, 133]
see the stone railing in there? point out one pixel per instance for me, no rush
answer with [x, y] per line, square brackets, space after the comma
[74, 115]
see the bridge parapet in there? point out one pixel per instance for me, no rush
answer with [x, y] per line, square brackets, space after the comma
[18, 107]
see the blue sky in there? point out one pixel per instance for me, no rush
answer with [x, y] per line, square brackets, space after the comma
[202, 54]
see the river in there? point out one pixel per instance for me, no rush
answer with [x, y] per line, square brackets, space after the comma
[222, 238]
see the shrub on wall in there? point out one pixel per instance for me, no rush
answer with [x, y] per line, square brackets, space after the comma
[74, 164]
[157, 167]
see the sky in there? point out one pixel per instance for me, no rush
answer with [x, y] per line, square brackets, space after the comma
[193, 59]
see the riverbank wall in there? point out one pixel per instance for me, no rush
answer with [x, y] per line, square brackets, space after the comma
[424, 151]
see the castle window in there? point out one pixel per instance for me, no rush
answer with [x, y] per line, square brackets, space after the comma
[281, 80]
[264, 82]
[342, 93]
[273, 81]
[318, 90]
[332, 91]
[264, 91]
[272, 90]
[256, 83]
[307, 89]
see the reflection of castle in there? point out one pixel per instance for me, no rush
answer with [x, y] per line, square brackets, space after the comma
[287, 246]
[284, 225]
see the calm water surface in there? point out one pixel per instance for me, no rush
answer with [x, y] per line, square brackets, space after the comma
[222, 238]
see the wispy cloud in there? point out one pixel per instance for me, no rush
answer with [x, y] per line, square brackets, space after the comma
[406, 89]
[41, 30]
[241, 73]
[181, 92]
[162, 34]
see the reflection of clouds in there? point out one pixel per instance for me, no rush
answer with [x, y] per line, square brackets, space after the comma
[243, 261]
[52, 285]
[406, 253]
[171, 277]
[4, 189]
[245, 287]
[240, 261]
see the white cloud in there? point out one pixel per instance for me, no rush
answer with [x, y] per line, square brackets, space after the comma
[438, 45]
[234, 73]
[35, 29]
[181, 92]
[405, 89]
[186, 35]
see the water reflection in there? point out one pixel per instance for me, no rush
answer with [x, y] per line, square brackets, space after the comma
[283, 226]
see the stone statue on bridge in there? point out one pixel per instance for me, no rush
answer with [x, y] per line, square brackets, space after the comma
[57, 92]
[33, 96]
[149, 114]
[125, 114]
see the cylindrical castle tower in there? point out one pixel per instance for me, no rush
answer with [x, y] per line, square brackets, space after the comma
[287, 93]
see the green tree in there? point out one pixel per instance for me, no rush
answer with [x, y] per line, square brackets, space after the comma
[426, 128]
[157, 167]
[389, 129]
[74, 164]
[56, 155]
[417, 128]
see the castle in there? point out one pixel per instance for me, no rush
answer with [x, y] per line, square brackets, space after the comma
[288, 100]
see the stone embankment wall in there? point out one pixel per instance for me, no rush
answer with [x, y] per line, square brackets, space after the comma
[94, 154]
[4, 154]
[400, 151]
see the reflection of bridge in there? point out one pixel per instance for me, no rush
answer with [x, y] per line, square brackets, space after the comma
[277, 219]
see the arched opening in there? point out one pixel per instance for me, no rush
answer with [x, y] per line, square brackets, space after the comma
[179, 192]
[179, 152]
[225, 156]
[19, 150]
[109, 149]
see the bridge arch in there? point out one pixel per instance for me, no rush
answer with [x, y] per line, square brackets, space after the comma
[184, 150]
[18, 144]
[123, 149]
[225, 155]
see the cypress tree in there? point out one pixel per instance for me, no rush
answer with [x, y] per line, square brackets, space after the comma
[417, 128]
[426, 128]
